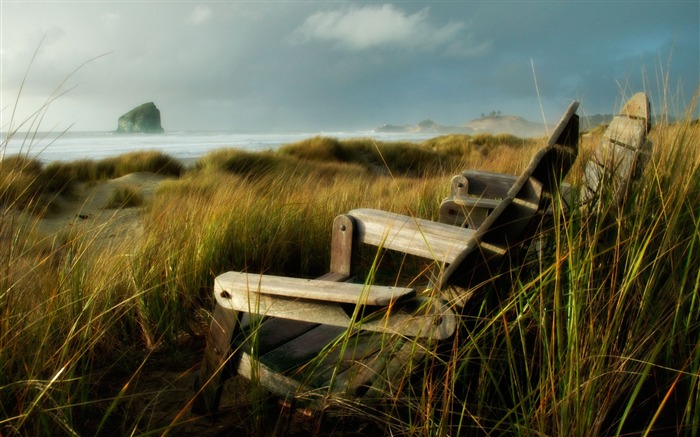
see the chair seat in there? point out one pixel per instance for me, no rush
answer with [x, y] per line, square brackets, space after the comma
[321, 360]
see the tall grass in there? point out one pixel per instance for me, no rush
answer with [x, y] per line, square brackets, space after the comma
[25, 184]
[113, 167]
[78, 318]
[598, 336]
[437, 156]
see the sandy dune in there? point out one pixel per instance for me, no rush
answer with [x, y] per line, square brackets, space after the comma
[85, 210]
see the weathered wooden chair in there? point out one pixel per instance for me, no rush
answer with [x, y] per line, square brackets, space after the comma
[317, 340]
[475, 193]
[619, 159]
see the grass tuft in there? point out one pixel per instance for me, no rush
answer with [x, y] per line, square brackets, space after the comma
[125, 196]
[27, 186]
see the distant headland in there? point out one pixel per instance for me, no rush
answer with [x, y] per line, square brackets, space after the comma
[142, 119]
[493, 123]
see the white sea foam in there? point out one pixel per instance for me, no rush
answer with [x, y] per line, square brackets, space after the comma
[186, 146]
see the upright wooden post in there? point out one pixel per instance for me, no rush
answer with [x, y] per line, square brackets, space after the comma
[341, 246]
[212, 375]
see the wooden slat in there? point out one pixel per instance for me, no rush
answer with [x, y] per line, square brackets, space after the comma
[593, 174]
[427, 239]
[417, 317]
[526, 203]
[271, 333]
[566, 132]
[615, 158]
[472, 211]
[488, 184]
[626, 131]
[360, 348]
[347, 366]
[252, 369]
[566, 192]
[495, 249]
[476, 202]
[384, 374]
[311, 289]
[329, 313]
[298, 351]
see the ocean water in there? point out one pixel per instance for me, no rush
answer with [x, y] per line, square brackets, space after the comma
[186, 146]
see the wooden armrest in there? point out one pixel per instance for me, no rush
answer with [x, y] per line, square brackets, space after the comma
[318, 301]
[488, 184]
[432, 240]
[311, 289]
[487, 189]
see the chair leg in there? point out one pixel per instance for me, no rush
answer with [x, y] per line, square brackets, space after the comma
[212, 374]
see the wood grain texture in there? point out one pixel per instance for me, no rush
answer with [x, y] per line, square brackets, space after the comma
[488, 184]
[459, 186]
[416, 317]
[242, 283]
[618, 156]
[466, 211]
[626, 132]
[432, 240]
[210, 379]
[637, 107]
[341, 246]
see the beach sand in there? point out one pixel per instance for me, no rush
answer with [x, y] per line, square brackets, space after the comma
[86, 211]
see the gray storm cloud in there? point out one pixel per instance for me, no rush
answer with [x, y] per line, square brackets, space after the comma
[339, 65]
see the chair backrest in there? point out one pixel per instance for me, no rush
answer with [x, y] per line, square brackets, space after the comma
[464, 257]
[621, 154]
[509, 222]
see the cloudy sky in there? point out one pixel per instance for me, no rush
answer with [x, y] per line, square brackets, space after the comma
[337, 65]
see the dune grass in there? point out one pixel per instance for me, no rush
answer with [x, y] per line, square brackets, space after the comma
[596, 336]
[593, 340]
[124, 196]
[114, 167]
[234, 210]
[27, 184]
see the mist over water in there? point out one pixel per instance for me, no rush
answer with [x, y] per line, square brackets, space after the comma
[186, 146]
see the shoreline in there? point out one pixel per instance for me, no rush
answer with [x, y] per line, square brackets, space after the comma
[75, 146]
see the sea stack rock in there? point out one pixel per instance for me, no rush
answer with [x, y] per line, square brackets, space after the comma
[142, 119]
